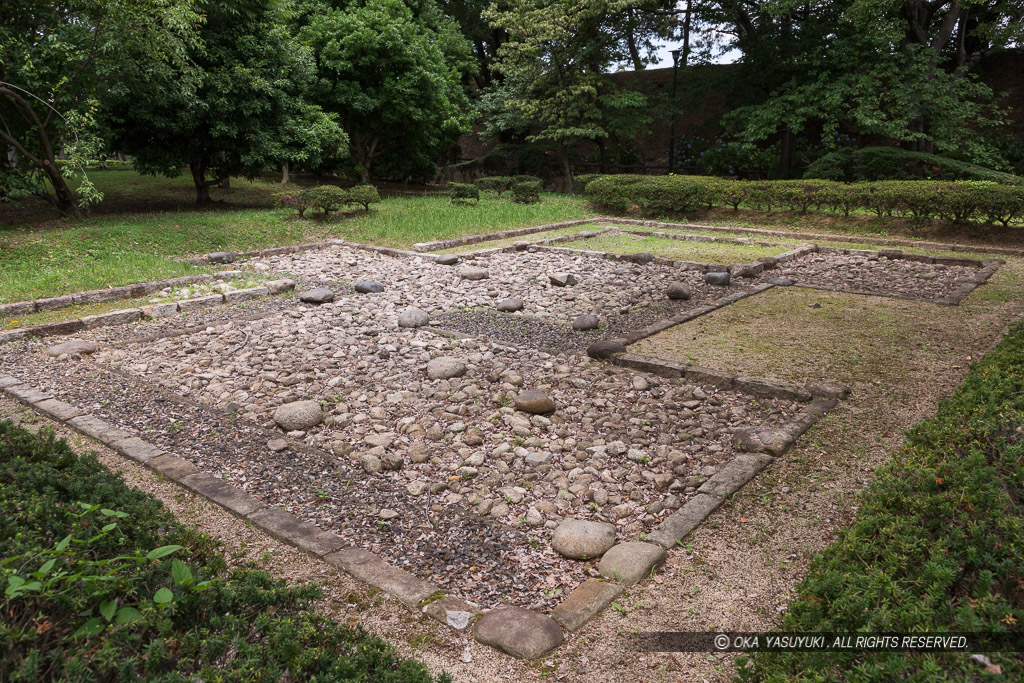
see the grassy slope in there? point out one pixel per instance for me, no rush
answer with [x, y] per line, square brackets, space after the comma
[244, 625]
[936, 546]
[117, 249]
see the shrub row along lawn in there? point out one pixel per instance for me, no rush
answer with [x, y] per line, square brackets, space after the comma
[937, 546]
[101, 583]
[918, 200]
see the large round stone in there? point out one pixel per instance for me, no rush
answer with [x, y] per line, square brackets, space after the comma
[631, 562]
[642, 258]
[719, 279]
[535, 402]
[413, 317]
[586, 322]
[368, 287]
[510, 305]
[473, 273]
[445, 367]
[446, 260]
[299, 415]
[79, 346]
[578, 539]
[605, 349]
[519, 632]
[317, 295]
[678, 291]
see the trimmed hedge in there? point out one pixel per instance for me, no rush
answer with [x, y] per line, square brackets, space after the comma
[327, 198]
[462, 193]
[936, 546]
[497, 183]
[527, 191]
[954, 202]
[893, 163]
[102, 583]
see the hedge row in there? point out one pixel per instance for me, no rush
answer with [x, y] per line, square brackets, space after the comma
[101, 583]
[327, 198]
[936, 546]
[956, 202]
[525, 188]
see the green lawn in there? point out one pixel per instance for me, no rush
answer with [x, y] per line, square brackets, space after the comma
[58, 257]
[682, 250]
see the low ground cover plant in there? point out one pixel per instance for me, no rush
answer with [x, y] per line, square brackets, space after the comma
[958, 202]
[101, 583]
[936, 546]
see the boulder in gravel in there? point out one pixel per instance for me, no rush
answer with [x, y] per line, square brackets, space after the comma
[563, 279]
[762, 440]
[371, 463]
[580, 539]
[535, 402]
[510, 305]
[473, 273]
[79, 346]
[277, 445]
[720, 279]
[678, 291]
[519, 632]
[631, 562]
[278, 286]
[642, 258]
[521, 245]
[392, 461]
[413, 317]
[605, 349]
[368, 287]
[446, 260]
[298, 415]
[586, 322]
[445, 367]
[221, 257]
[317, 295]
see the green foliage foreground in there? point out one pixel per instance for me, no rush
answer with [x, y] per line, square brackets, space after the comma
[936, 547]
[102, 583]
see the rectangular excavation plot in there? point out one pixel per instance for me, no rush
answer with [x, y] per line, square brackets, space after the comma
[442, 477]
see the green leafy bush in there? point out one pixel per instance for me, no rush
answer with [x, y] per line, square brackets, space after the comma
[102, 583]
[893, 163]
[580, 182]
[956, 202]
[462, 193]
[292, 200]
[497, 184]
[527, 191]
[936, 546]
[327, 198]
[363, 195]
[526, 179]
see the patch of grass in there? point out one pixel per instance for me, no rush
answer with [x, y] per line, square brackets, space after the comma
[41, 260]
[535, 237]
[684, 250]
[102, 583]
[936, 546]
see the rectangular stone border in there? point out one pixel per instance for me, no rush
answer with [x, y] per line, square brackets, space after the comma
[584, 603]
[129, 315]
[489, 237]
[94, 296]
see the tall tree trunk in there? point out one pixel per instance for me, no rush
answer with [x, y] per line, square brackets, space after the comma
[198, 169]
[602, 148]
[787, 153]
[284, 173]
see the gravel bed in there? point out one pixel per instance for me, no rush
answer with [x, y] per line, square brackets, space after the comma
[878, 275]
[477, 485]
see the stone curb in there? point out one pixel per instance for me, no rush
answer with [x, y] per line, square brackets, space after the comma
[417, 594]
[939, 246]
[130, 315]
[504, 234]
[94, 296]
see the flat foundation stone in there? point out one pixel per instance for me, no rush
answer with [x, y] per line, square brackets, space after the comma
[233, 499]
[683, 521]
[172, 467]
[98, 429]
[136, 449]
[630, 563]
[79, 346]
[586, 602]
[58, 409]
[735, 474]
[200, 302]
[294, 531]
[27, 393]
[245, 294]
[582, 539]
[363, 565]
[519, 632]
